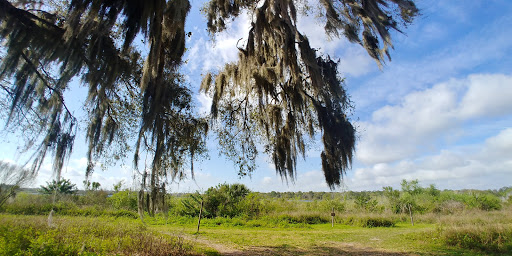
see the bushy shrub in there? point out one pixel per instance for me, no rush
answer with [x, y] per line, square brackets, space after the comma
[327, 205]
[38, 207]
[96, 198]
[365, 202]
[449, 207]
[368, 221]
[305, 219]
[479, 200]
[487, 202]
[124, 200]
[252, 206]
[223, 200]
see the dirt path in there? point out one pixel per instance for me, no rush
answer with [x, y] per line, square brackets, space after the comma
[221, 248]
[328, 248]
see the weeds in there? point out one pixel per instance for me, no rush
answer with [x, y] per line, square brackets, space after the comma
[477, 230]
[21, 235]
[492, 238]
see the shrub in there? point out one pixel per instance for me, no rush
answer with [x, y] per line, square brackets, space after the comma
[223, 200]
[368, 221]
[364, 201]
[304, 219]
[97, 198]
[124, 200]
[373, 222]
[251, 206]
[487, 202]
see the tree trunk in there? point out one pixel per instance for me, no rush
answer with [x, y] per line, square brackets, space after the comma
[200, 213]
[165, 206]
[153, 196]
[140, 204]
[140, 197]
[147, 203]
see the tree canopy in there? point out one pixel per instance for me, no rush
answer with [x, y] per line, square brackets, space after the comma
[280, 92]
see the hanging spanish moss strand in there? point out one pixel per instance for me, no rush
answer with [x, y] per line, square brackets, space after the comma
[280, 89]
[127, 98]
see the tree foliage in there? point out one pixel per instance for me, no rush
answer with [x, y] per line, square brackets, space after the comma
[281, 89]
[94, 40]
[407, 199]
[281, 92]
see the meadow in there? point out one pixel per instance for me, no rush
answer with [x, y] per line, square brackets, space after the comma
[236, 221]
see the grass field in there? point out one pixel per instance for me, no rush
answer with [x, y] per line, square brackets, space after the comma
[125, 236]
[366, 223]
[320, 239]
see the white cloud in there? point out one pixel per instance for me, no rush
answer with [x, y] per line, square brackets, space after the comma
[487, 95]
[207, 55]
[481, 47]
[205, 103]
[413, 126]
[305, 181]
[355, 61]
[489, 166]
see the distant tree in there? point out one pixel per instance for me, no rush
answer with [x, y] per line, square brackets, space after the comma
[406, 199]
[394, 199]
[191, 205]
[118, 186]
[95, 186]
[410, 191]
[12, 177]
[274, 194]
[433, 191]
[364, 201]
[63, 187]
[87, 184]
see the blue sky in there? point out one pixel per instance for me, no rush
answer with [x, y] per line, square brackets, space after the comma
[439, 112]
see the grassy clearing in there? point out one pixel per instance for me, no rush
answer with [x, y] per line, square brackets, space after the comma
[320, 239]
[471, 233]
[30, 235]
[446, 223]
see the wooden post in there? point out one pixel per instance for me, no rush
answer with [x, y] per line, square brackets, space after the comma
[200, 212]
[332, 217]
[410, 214]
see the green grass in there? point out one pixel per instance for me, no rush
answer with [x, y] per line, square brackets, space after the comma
[322, 239]
[470, 233]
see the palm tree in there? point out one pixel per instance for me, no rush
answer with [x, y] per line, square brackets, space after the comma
[61, 187]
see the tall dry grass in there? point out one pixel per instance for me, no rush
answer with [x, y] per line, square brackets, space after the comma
[31, 235]
[479, 230]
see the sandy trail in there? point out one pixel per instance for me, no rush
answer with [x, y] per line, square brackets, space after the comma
[328, 248]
